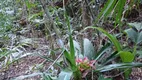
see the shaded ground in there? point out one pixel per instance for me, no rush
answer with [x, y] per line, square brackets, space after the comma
[22, 67]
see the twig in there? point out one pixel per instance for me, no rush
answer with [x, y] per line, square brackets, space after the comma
[55, 61]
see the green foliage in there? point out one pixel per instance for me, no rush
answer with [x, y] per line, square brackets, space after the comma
[119, 10]
[70, 60]
[30, 4]
[113, 8]
[70, 56]
[98, 58]
[126, 56]
[111, 37]
[89, 51]
[46, 77]
[107, 9]
[102, 51]
[134, 33]
[118, 66]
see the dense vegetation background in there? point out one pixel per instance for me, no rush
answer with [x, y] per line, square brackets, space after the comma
[70, 39]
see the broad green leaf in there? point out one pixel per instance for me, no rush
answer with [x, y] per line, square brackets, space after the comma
[65, 75]
[139, 53]
[134, 35]
[89, 50]
[77, 46]
[137, 25]
[139, 38]
[77, 49]
[118, 66]
[126, 56]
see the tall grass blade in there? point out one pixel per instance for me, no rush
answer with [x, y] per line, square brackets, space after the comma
[111, 37]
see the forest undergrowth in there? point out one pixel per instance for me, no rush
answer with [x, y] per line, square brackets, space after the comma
[70, 39]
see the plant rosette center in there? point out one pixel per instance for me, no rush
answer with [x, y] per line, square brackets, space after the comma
[85, 64]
